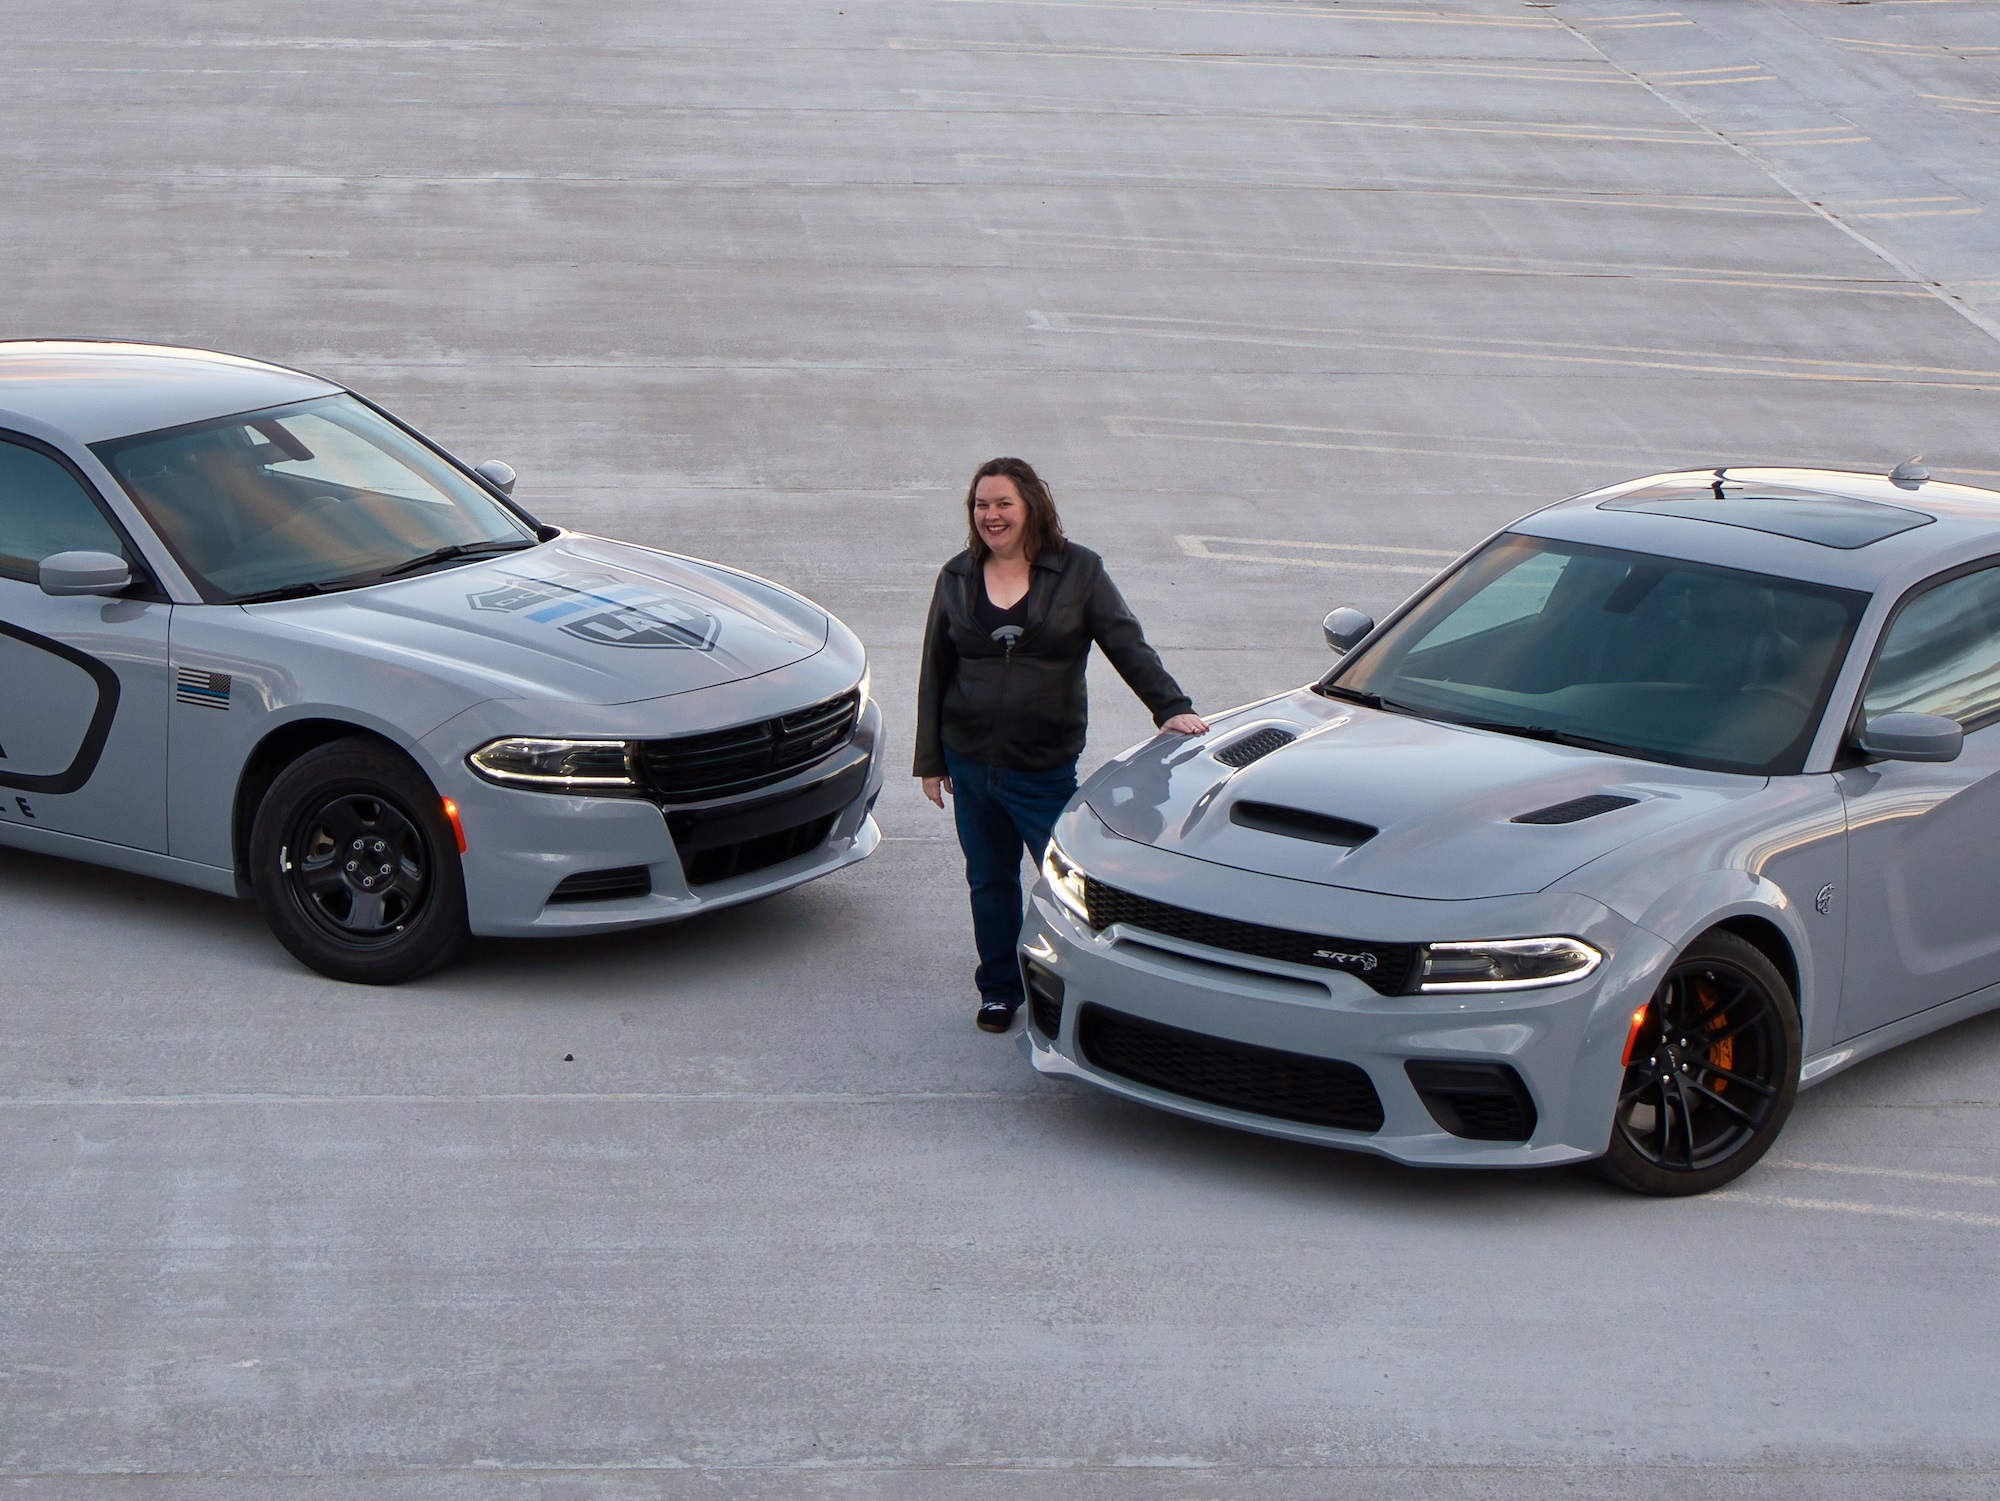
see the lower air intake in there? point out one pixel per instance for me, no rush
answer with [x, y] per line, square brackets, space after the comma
[1045, 998]
[725, 861]
[604, 885]
[1478, 1101]
[1237, 1075]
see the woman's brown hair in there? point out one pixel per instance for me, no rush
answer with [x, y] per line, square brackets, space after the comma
[1043, 533]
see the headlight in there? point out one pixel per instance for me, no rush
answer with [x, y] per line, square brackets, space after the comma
[1065, 880]
[587, 766]
[867, 682]
[1505, 964]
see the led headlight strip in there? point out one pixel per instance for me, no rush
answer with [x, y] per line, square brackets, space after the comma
[1505, 964]
[1065, 880]
[593, 767]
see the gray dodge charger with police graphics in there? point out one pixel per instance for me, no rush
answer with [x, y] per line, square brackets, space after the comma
[260, 637]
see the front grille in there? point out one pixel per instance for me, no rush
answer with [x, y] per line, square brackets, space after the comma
[1255, 746]
[688, 768]
[720, 863]
[1577, 809]
[1239, 1075]
[604, 885]
[1383, 967]
[1477, 1101]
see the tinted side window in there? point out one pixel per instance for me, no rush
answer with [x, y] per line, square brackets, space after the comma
[44, 510]
[1942, 653]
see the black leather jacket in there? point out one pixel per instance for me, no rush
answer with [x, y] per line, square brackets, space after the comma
[1024, 706]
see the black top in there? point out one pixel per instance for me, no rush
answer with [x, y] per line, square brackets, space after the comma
[1025, 707]
[992, 619]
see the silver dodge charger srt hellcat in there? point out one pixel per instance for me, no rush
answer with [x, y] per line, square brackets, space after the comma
[258, 636]
[1658, 805]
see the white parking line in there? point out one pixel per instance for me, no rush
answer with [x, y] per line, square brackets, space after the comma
[1720, 276]
[1856, 1169]
[1349, 555]
[1852, 1206]
[1634, 357]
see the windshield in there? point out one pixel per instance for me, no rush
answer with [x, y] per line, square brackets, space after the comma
[1649, 656]
[325, 492]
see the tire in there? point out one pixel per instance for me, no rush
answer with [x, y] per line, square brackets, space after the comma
[356, 868]
[1713, 1073]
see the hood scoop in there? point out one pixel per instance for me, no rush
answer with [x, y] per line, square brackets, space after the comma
[1255, 746]
[1298, 823]
[1577, 809]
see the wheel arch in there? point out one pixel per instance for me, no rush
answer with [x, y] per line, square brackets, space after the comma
[1769, 940]
[1759, 912]
[280, 748]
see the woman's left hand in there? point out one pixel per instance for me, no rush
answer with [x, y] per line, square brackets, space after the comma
[1186, 724]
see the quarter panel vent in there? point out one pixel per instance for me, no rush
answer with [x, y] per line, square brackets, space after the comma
[1255, 746]
[1577, 809]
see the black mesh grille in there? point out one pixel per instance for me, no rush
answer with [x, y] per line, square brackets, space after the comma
[1385, 967]
[690, 767]
[1239, 1075]
[1478, 1101]
[1576, 810]
[705, 867]
[1253, 746]
[604, 885]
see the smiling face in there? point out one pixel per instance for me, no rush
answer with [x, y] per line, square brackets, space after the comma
[1000, 516]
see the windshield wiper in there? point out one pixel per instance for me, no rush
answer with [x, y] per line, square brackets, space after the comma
[290, 591]
[1544, 732]
[1366, 699]
[452, 550]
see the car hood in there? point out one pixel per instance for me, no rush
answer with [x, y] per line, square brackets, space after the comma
[579, 619]
[1427, 809]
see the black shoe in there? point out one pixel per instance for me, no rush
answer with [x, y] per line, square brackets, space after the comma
[996, 1016]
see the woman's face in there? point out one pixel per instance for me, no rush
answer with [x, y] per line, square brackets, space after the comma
[1000, 515]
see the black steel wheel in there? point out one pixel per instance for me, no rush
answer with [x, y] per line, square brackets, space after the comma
[355, 866]
[1710, 1075]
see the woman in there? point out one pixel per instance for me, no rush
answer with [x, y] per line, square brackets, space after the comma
[1000, 699]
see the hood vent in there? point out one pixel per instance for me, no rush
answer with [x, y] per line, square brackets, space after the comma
[1255, 746]
[1576, 810]
[1297, 823]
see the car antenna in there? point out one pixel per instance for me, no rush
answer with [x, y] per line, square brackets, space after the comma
[1910, 472]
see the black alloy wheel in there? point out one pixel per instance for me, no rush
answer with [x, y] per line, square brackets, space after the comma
[1711, 1073]
[356, 867]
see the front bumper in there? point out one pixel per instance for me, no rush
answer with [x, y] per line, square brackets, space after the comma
[1563, 1042]
[521, 846]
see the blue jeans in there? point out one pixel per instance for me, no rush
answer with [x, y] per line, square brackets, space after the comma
[1000, 812]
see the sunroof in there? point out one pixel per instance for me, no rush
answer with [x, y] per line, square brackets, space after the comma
[1804, 515]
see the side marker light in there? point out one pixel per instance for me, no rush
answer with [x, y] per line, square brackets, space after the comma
[458, 829]
[1632, 1035]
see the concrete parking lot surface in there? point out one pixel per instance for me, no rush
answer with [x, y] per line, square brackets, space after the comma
[1292, 301]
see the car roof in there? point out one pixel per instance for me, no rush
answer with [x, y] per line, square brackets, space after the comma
[1831, 526]
[91, 390]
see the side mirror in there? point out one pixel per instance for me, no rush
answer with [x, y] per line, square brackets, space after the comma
[500, 476]
[85, 573]
[1911, 737]
[1346, 627]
